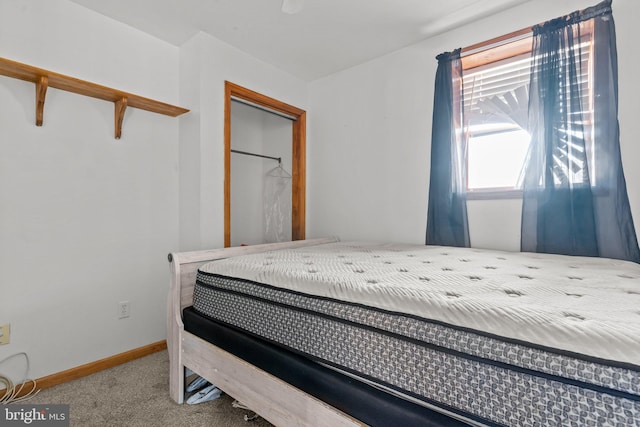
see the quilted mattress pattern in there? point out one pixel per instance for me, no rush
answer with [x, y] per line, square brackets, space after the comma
[503, 338]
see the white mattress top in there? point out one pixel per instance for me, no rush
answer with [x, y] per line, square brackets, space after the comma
[584, 305]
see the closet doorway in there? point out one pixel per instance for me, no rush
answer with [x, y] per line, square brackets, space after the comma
[262, 169]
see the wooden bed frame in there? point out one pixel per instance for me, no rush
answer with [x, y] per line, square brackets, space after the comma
[273, 399]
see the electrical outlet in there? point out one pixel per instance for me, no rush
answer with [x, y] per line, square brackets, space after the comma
[124, 309]
[5, 333]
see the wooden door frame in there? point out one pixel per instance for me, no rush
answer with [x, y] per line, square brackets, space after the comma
[298, 151]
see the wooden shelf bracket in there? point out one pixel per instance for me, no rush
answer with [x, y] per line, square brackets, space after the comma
[44, 79]
[41, 92]
[120, 107]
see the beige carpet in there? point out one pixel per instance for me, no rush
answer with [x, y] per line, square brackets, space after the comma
[137, 394]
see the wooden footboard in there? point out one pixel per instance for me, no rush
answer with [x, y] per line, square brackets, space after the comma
[272, 398]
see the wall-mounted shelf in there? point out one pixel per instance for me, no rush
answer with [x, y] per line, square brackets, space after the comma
[44, 79]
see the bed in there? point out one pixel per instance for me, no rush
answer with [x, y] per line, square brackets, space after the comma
[322, 332]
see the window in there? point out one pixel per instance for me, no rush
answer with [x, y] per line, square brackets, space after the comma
[496, 100]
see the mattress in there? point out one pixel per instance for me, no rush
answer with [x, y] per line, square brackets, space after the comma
[363, 402]
[492, 337]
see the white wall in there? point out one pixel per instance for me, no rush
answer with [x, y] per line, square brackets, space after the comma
[370, 132]
[369, 151]
[624, 13]
[205, 64]
[86, 221]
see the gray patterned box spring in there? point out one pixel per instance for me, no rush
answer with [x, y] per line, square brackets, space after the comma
[495, 338]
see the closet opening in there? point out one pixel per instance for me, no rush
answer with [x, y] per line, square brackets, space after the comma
[264, 168]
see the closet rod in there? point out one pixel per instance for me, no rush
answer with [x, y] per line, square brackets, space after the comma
[279, 159]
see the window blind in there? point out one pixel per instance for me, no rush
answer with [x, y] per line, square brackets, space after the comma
[506, 82]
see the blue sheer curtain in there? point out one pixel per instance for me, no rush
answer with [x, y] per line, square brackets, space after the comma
[574, 192]
[447, 223]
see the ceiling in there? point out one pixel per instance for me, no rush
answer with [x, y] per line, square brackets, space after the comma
[325, 37]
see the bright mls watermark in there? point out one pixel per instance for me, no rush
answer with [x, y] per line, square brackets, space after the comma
[34, 415]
